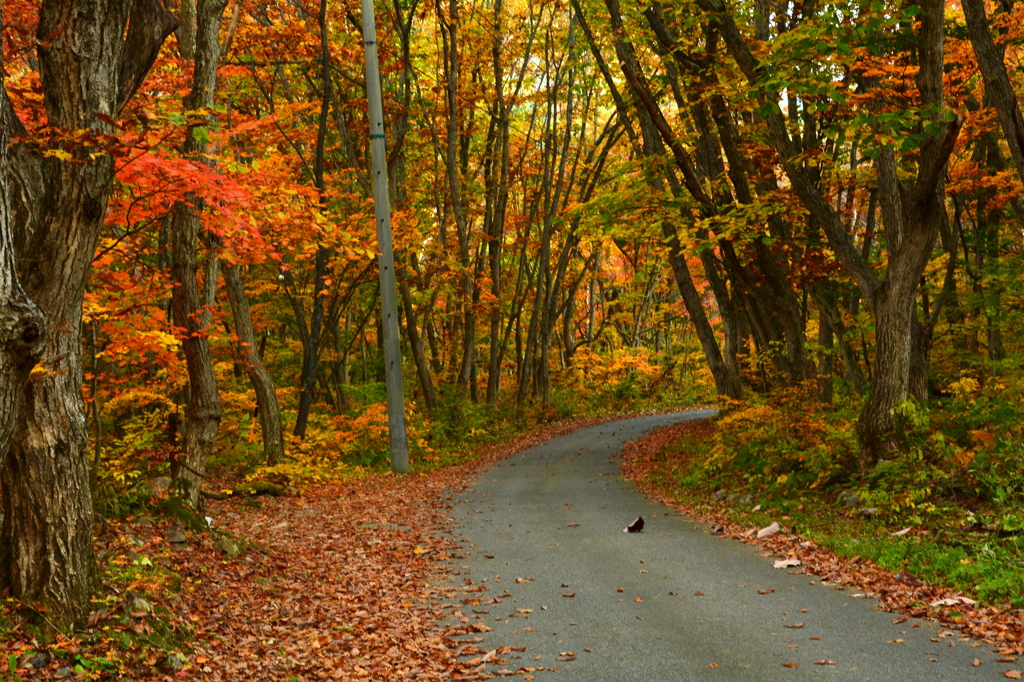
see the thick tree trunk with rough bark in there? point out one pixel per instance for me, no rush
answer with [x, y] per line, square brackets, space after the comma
[92, 59]
[203, 412]
[262, 382]
[22, 324]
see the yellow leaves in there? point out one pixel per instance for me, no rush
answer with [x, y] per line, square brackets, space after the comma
[937, 265]
[965, 387]
[136, 398]
[985, 440]
[61, 154]
[40, 372]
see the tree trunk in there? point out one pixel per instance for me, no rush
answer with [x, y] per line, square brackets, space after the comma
[311, 347]
[998, 89]
[416, 346]
[450, 53]
[91, 63]
[252, 361]
[204, 410]
[22, 323]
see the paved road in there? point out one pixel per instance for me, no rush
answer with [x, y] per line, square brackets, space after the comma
[553, 516]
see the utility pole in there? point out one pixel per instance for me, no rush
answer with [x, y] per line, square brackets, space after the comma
[386, 258]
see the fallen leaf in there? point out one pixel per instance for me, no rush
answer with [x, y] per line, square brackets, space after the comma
[638, 600]
[976, 662]
[797, 626]
[695, 594]
[953, 601]
[789, 665]
[1014, 674]
[768, 531]
[903, 532]
[825, 661]
[568, 594]
[1007, 659]
[765, 591]
[712, 665]
[786, 563]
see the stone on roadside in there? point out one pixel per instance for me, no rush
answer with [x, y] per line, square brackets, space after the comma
[138, 605]
[176, 537]
[229, 547]
[849, 499]
[174, 662]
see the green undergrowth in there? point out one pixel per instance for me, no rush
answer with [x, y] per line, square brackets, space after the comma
[958, 486]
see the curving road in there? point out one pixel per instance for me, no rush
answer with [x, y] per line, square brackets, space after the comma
[548, 522]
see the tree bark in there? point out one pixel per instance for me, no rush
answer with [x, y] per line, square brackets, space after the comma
[46, 553]
[311, 346]
[204, 410]
[452, 66]
[998, 89]
[416, 347]
[262, 382]
[22, 323]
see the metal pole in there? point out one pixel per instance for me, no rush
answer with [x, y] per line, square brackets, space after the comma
[386, 257]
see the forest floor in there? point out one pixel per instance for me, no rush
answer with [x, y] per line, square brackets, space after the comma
[336, 583]
[340, 583]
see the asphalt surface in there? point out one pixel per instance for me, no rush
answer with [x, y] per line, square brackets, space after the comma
[547, 523]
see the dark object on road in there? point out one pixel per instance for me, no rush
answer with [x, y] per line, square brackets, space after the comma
[635, 527]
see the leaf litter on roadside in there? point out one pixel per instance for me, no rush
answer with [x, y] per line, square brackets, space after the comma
[344, 582]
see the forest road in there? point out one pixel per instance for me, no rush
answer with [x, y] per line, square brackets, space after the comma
[542, 532]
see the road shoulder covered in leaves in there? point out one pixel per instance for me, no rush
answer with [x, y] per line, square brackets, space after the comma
[652, 463]
[341, 583]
